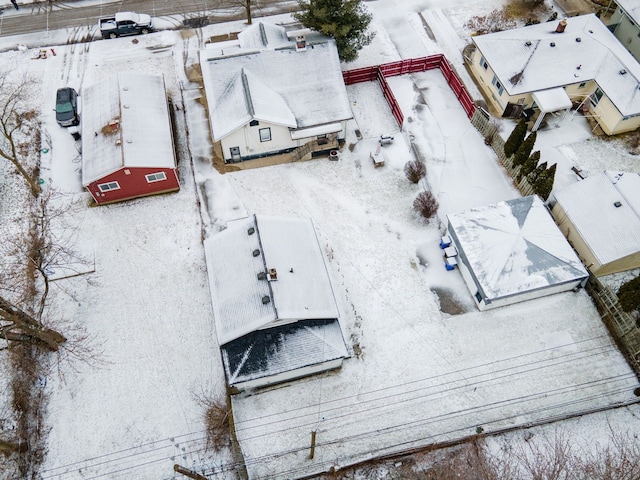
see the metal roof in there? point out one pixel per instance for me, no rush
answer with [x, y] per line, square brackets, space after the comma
[125, 123]
[245, 297]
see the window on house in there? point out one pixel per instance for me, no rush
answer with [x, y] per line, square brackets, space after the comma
[498, 85]
[156, 177]
[484, 63]
[105, 187]
[596, 96]
[254, 123]
[582, 85]
[265, 134]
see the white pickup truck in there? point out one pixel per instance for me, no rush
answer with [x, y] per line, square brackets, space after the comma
[125, 23]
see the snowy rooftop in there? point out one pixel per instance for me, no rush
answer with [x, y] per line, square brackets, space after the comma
[306, 89]
[515, 246]
[244, 303]
[141, 136]
[632, 7]
[282, 349]
[585, 51]
[610, 232]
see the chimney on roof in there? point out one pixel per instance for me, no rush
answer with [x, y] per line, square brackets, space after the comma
[273, 274]
[561, 26]
[301, 43]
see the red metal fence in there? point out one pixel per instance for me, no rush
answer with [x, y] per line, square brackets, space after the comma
[412, 65]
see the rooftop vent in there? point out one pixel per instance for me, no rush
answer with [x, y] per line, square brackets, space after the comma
[266, 299]
[622, 72]
[617, 204]
[273, 274]
[590, 31]
[262, 276]
[528, 43]
[578, 39]
[251, 231]
[561, 26]
[552, 44]
[256, 252]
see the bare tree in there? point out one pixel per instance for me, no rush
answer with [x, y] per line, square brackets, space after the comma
[19, 132]
[426, 204]
[246, 5]
[415, 171]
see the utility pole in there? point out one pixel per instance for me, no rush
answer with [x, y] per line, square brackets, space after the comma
[313, 445]
[189, 473]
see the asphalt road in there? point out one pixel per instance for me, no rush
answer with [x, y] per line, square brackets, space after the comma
[44, 16]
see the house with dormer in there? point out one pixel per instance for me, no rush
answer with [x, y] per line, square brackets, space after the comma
[275, 93]
[551, 67]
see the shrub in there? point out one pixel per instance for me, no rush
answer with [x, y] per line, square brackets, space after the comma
[524, 150]
[415, 171]
[426, 205]
[494, 21]
[216, 419]
[544, 182]
[530, 165]
[629, 295]
[515, 138]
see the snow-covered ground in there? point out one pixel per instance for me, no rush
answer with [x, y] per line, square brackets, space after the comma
[426, 365]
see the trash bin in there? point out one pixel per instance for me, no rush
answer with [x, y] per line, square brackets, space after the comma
[74, 133]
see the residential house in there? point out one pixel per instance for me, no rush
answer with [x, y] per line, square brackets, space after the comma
[513, 251]
[600, 216]
[127, 140]
[624, 24]
[271, 93]
[275, 313]
[546, 68]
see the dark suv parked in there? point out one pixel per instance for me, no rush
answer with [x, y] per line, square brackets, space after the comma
[67, 107]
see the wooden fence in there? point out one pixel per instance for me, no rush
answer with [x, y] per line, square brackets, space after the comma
[380, 73]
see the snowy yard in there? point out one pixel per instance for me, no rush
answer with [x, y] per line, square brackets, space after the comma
[426, 365]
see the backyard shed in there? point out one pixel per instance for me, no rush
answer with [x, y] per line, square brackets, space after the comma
[275, 312]
[513, 251]
[127, 140]
[600, 217]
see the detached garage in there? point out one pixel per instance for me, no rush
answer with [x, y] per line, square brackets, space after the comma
[513, 251]
[127, 141]
[275, 312]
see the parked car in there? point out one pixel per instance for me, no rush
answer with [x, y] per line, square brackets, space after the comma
[67, 107]
[125, 23]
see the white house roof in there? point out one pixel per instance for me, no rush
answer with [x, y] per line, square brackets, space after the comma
[242, 302]
[611, 232]
[552, 100]
[632, 7]
[142, 137]
[513, 247]
[298, 89]
[525, 61]
[262, 35]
